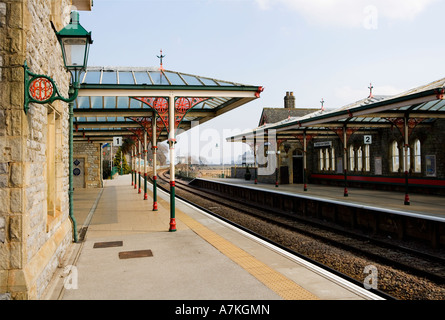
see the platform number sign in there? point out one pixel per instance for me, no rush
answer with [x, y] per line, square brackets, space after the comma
[367, 139]
[117, 141]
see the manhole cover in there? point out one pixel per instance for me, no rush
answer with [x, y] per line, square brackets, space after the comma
[108, 244]
[135, 254]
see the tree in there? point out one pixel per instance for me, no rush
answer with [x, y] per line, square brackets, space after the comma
[117, 161]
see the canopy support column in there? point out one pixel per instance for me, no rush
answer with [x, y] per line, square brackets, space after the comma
[171, 141]
[122, 163]
[145, 165]
[135, 167]
[132, 167]
[255, 170]
[277, 159]
[345, 160]
[155, 177]
[140, 164]
[405, 160]
[304, 161]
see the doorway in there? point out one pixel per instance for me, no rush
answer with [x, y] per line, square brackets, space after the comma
[79, 173]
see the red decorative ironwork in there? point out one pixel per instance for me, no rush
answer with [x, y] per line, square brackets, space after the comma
[41, 89]
[300, 138]
[182, 106]
[349, 133]
[399, 123]
[260, 89]
[160, 105]
[279, 142]
[146, 123]
[138, 133]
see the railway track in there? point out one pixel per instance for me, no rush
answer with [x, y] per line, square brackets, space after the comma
[419, 267]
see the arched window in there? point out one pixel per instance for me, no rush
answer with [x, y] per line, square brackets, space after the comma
[320, 160]
[367, 158]
[417, 156]
[394, 157]
[326, 159]
[359, 159]
[351, 158]
[332, 159]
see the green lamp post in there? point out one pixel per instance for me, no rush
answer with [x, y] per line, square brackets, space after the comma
[75, 42]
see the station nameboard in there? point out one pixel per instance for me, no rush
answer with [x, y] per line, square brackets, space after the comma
[323, 144]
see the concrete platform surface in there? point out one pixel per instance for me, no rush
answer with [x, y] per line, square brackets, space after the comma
[423, 204]
[204, 259]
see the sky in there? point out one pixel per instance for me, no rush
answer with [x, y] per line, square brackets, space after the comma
[318, 49]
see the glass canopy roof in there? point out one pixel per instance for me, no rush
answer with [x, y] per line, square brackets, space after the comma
[147, 76]
[424, 102]
[107, 98]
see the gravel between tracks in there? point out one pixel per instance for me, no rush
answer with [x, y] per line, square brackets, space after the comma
[394, 282]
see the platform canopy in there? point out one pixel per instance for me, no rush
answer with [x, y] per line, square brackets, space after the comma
[111, 97]
[420, 106]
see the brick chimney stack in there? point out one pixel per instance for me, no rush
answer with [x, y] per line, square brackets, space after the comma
[289, 100]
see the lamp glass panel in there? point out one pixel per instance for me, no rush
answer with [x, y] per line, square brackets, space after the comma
[74, 49]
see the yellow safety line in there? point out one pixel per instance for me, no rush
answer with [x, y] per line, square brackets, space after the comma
[274, 280]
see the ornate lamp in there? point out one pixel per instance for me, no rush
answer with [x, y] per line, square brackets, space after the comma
[75, 42]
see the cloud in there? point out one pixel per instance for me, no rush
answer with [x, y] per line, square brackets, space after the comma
[351, 13]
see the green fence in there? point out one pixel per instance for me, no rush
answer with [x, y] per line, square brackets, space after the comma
[114, 171]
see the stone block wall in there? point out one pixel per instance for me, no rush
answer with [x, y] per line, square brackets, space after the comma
[91, 153]
[32, 240]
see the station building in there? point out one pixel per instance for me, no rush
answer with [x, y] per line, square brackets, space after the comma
[379, 142]
[35, 227]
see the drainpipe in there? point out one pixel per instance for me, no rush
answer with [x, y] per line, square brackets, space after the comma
[70, 191]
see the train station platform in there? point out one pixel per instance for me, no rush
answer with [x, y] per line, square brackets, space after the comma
[421, 204]
[128, 253]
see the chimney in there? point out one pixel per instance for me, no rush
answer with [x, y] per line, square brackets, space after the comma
[289, 100]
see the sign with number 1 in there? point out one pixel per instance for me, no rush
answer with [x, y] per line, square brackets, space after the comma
[117, 141]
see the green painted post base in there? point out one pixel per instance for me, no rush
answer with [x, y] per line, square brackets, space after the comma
[145, 187]
[172, 207]
[155, 194]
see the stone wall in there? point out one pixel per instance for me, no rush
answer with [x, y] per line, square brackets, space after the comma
[33, 236]
[91, 153]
